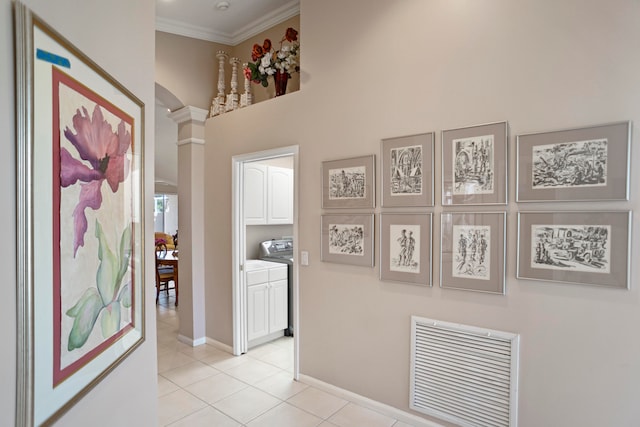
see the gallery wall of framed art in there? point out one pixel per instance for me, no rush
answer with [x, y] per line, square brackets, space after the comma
[575, 165]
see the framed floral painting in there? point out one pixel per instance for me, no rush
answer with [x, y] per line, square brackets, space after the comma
[80, 222]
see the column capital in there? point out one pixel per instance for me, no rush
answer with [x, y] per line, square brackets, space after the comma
[189, 114]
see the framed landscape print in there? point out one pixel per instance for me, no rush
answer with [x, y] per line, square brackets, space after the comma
[472, 251]
[349, 183]
[590, 163]
[405, 248]
[80, 222]
[347, 239]
[407, 171]
[589, 248]
[474, 165]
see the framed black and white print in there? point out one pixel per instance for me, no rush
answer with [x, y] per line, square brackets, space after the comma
[589, 163]
[472, 251]
[589, 248]
[405, 248]
[407, 171]
[349, 183]
[474, 165]
[347, 239]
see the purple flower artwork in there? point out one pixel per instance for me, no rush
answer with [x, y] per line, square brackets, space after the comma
[94, 245]
[103, 152]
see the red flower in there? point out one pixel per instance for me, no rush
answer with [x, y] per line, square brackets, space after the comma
[266, 46]
[291, 35]
[247, 73]
[256, 52]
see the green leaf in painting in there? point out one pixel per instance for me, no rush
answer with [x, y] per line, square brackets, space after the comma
[125, 253]
[110, 319]
[107, 270]
[125, 295]
[85, 313]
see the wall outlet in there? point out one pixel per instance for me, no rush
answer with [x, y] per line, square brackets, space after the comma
[304, 258]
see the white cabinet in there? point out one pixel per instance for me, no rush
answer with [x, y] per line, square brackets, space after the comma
[267, 299]
[268, 194]
[255, 194]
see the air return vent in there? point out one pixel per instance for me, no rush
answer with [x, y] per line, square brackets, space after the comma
[463, 374]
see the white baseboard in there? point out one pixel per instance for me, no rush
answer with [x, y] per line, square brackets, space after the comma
[219, 345]
[190, 342]
[381, 408]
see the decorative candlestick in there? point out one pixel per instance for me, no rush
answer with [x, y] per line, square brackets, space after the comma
[218, 106]
[232, 98]
[247, 97]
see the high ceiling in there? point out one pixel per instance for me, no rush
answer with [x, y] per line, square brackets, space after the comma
[209, 20]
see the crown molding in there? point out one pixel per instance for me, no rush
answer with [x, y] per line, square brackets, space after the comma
[195, 32]
[281, 14]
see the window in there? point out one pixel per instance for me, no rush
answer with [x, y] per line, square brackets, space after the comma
[165, 213]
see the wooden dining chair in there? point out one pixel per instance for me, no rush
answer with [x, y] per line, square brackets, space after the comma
[164, 273]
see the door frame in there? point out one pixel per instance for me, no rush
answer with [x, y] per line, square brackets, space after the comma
[240, 341]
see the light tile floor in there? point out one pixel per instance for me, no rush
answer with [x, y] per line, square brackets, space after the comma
[205, 386]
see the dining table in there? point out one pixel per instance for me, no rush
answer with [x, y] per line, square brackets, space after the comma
[170, 258]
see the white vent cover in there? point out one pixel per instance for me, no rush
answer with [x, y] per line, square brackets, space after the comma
[463, 374]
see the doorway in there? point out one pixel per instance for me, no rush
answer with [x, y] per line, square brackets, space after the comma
[240, 248]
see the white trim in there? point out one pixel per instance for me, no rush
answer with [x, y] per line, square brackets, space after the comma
[219, 345]
[189, 113]
[192, 343]
[172, 26]
[265, 22]
[198, 141]
[374, 405]
[286, 11]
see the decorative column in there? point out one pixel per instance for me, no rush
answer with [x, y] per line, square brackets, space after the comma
[217, 105]
[232, 98]
[191, 261]
[247, 97]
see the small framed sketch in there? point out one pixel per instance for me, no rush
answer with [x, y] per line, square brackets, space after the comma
[347, 239]
[472, 251]
[407, 171]
[474, 165]
[590, 163]
[589, 248]
[405, 248]
[349, 183]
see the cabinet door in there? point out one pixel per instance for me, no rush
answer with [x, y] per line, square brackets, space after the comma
[257, 311]
[280, 195]
[255, 194]
[278, 307]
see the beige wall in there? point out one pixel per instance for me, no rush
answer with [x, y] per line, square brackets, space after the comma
[183, 61]
[541, 65]
[102, 30]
